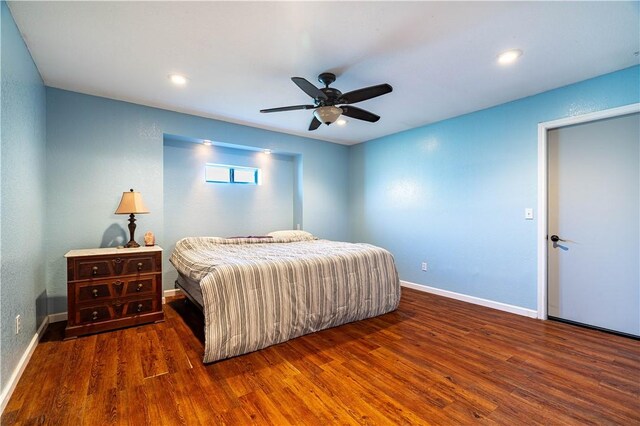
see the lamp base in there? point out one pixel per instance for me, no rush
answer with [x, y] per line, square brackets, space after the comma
[132, 230]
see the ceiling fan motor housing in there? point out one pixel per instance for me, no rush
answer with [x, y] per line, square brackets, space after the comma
[333, 97]
[327, 78]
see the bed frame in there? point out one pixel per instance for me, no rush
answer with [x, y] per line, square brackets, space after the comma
[188, 296]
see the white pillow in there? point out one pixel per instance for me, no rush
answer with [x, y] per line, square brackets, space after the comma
[292, 235]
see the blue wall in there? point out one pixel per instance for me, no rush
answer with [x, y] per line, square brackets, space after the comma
[193, 207]
[97, 148]
[22, 275]
[453, 193]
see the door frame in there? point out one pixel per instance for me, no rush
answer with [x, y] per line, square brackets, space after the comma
[543, 129]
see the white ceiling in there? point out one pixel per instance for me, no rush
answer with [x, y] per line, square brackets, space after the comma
[440, 57]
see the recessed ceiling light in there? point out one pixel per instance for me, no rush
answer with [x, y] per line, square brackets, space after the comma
[341, 122]
[267, 151]
[177, 79]
[509, 56]
[206, 142]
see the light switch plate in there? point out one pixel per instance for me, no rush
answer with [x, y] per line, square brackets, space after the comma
[528, 213]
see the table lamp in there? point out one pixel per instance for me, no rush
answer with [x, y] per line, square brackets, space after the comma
[131, 204]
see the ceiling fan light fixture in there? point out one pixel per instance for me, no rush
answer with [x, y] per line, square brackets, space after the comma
[327, 114]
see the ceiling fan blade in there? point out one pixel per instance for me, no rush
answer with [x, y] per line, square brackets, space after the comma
[315, 123]
[288, 108]
[308, 88]
[366, 93]
[360, 114]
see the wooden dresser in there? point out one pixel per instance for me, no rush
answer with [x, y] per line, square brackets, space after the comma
[110, 288]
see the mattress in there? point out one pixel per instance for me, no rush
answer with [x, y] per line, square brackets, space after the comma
[257, 292]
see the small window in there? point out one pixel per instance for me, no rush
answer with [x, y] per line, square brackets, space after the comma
[244, 175]
[222, 173]
[217, 173]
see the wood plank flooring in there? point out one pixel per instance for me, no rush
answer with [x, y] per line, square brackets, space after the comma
[433, 361]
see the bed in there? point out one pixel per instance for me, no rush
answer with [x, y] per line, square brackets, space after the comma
[259, 291]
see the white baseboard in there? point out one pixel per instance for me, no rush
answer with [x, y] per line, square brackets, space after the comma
[170, 293]
[472, 299]
[22, 364]
[59, 317]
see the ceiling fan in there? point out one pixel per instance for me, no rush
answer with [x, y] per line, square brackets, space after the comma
[330, 103]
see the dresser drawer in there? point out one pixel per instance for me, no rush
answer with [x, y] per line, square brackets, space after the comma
[115, 310]
[90, 291]
[94, 314]
[141, 285]
[92, 268]
[95, 268]
[140, 265]
[94, 290]
[137, 307]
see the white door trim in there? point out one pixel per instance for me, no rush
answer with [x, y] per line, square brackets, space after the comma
[543, 128]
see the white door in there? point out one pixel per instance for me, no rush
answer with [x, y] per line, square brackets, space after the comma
[594, 206]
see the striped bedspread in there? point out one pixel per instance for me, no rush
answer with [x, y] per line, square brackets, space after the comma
[260, 292]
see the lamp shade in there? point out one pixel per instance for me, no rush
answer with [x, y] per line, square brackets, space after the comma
[327, 114]
[131, 203]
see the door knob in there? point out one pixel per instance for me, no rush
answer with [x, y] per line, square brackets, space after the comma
[555, 238]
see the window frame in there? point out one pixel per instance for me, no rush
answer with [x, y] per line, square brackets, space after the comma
[232, 174]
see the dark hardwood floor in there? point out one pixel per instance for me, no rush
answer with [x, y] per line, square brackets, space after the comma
[433, 361]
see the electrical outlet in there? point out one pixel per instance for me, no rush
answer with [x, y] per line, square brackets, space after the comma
[424, 266]
[18, 324]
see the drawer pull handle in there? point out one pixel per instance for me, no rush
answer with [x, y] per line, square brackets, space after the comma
[139, 287]
[94, 315]
[118, 283]
[139, 307]
[139, 266]
[94, 270]
[117, 260]
[95, 292]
